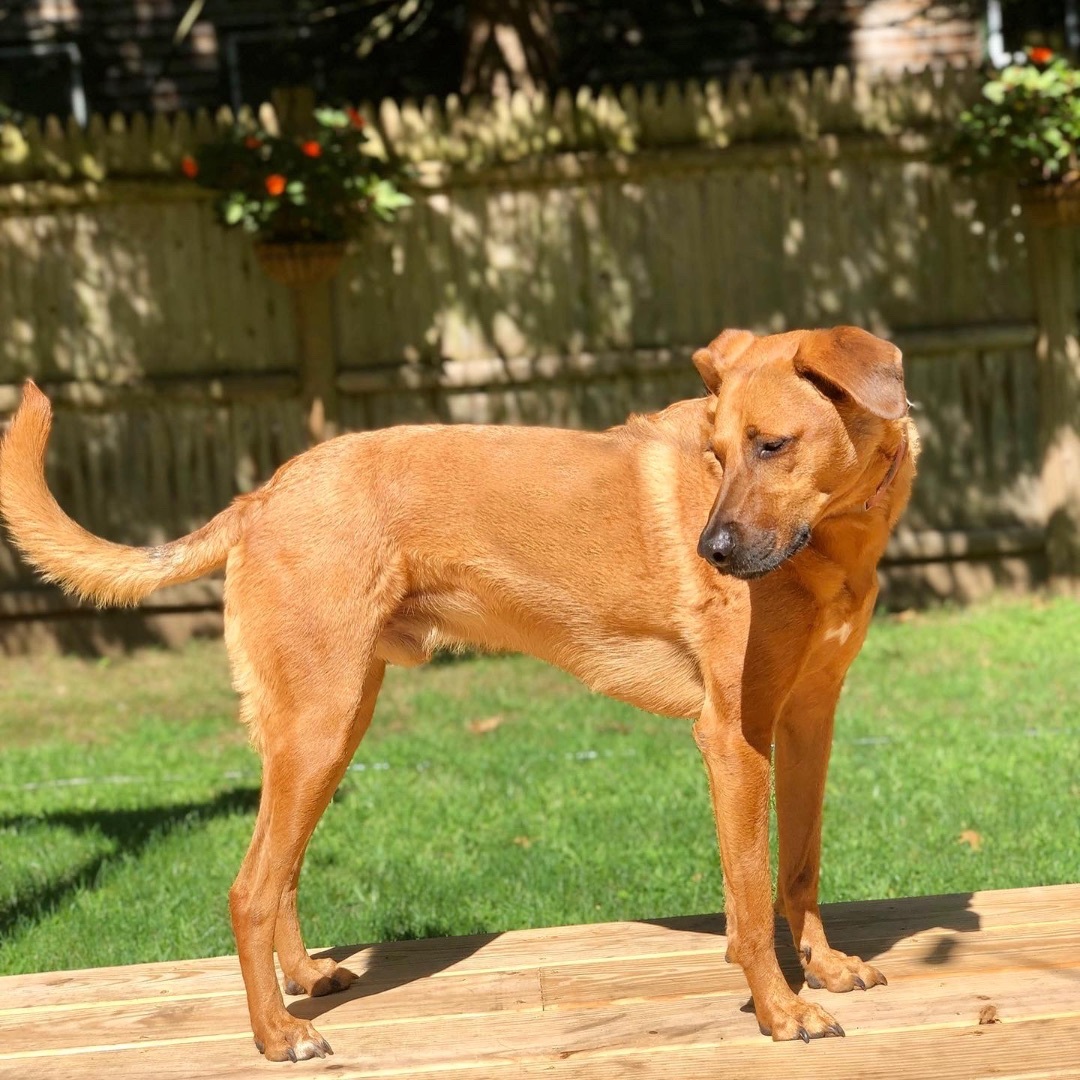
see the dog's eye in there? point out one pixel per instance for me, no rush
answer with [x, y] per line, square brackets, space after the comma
[771, 447]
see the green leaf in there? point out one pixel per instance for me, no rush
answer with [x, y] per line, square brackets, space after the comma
[332, 118]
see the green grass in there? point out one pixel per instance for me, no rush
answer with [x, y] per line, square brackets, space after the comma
[127, 794]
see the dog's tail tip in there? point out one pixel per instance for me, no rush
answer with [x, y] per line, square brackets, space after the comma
[33, 397]
[34, 407]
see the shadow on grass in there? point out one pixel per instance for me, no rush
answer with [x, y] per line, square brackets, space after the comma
[131, 830]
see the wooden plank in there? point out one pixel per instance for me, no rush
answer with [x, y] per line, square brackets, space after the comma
[922, 545]
[949, 1056]
[1038, 972]
[223, 387]
[150, 1019]
[484, 371]
[41, 601]
[625, 999]
[914, 585]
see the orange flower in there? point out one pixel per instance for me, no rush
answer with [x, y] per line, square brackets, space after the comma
[275, 184]
[311, 149]
[189, 166]
[252, 143]
[1040, 54]
[355, 118]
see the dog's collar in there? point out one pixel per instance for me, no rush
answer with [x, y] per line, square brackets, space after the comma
[894, 468]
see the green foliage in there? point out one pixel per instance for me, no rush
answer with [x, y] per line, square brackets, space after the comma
[497, 793]
[281, 189]
[1028, 123]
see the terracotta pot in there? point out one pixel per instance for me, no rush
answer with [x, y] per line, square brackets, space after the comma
[1052, 204]
[300, 262]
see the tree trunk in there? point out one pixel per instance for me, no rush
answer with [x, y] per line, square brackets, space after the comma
[511, 45]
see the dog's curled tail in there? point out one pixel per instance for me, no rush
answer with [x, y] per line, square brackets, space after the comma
[65, 553]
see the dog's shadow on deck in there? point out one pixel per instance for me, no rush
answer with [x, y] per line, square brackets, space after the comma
[869, 929]
[390, 964]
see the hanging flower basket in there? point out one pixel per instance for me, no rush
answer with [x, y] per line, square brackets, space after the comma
[300, 197]
[303, 262]
[1027, 124]
[1050, 205]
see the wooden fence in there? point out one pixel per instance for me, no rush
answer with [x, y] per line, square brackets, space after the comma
[562, 260]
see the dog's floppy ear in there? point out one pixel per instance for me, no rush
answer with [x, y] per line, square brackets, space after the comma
[722, 351]
[849, 361]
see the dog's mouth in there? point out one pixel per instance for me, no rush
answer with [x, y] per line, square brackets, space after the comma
[756, 560]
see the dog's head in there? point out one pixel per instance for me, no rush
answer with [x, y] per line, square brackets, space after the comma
[800, 420]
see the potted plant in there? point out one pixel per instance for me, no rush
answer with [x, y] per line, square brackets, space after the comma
[301, 198]
[1028, 124]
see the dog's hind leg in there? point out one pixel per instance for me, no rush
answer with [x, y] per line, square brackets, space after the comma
[803, 741]
[305, 753]
[303, 973]
[302, 636]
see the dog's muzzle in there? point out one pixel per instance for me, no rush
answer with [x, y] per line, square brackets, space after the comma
[734, 551]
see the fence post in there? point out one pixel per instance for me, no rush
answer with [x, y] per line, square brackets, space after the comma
[1054, 281]
[313, 312]
[312, 300]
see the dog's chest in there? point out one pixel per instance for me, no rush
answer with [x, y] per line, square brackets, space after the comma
[839, 629]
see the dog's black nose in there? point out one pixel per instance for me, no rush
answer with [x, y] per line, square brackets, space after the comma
[716, 546]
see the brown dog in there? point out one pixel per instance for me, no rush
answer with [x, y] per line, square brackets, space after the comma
[714, 561]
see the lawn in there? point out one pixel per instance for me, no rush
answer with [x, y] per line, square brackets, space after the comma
[496, 793]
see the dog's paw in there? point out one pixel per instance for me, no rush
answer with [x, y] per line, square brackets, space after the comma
[296, 1041]
[797, 1019]
[318, 978]
[828, 969]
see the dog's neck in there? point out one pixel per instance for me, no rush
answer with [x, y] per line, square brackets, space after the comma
[880, 492]
[854, 531]
[882, 489]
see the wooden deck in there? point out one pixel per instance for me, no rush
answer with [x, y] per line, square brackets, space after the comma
[984, 984]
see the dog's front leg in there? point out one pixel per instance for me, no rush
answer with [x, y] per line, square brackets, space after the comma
[737, 762]
[803, 743]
